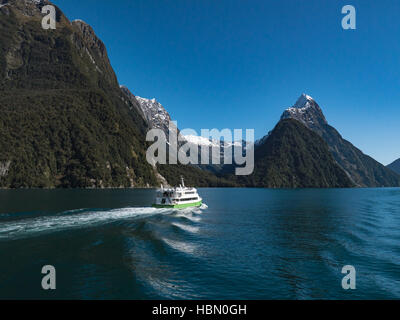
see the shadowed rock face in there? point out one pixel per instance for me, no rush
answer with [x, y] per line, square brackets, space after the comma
[131, 99]
[395, 166]
[90, 38]
[362, 169]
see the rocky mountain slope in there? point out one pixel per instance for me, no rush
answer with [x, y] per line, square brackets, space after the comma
[151, 110]
[395, 166]
[362, 169]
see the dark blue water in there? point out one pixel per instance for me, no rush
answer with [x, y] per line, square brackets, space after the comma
[244, 244]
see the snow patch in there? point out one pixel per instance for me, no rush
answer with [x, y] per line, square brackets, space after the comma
[202, 141]
[80, 21]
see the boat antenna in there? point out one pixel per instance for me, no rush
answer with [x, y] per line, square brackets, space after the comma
[183, 182]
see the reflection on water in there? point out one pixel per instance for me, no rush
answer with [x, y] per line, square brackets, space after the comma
[247, 244]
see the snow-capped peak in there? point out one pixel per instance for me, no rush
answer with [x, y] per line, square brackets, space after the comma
[304, 101]
[145, 100]
[305, 110]
[79, 20]
[155, 113]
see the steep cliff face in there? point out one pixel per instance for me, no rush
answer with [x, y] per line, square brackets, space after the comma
[362, 169]
[132, 102]
[155, 114]
[64, 121]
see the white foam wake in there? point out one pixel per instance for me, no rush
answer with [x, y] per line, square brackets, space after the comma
[29, 227]
[180, 246]
[186, 228]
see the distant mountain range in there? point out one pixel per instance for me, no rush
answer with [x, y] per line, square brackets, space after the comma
[65, 121]
[158, 117]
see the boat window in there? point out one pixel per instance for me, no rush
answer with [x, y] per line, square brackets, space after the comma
[187, 199]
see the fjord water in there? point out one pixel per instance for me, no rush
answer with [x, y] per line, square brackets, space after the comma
[243, 244]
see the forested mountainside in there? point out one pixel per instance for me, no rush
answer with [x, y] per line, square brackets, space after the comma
[295, 157]
[64, 121]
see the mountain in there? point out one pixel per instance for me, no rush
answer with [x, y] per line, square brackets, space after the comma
[157, 117]
[221, 148]
[152, 111]
[363, 170]
[64, 121]
[294, 156]
[131, 102]
[395, 166]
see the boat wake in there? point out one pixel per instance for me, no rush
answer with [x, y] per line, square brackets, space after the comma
[66, 220]
[76, 219]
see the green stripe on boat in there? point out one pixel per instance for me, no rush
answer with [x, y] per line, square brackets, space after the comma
[179, 206]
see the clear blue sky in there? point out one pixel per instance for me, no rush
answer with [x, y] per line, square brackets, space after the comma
[240, 63]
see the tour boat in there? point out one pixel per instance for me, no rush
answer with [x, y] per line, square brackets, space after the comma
[179, 197]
